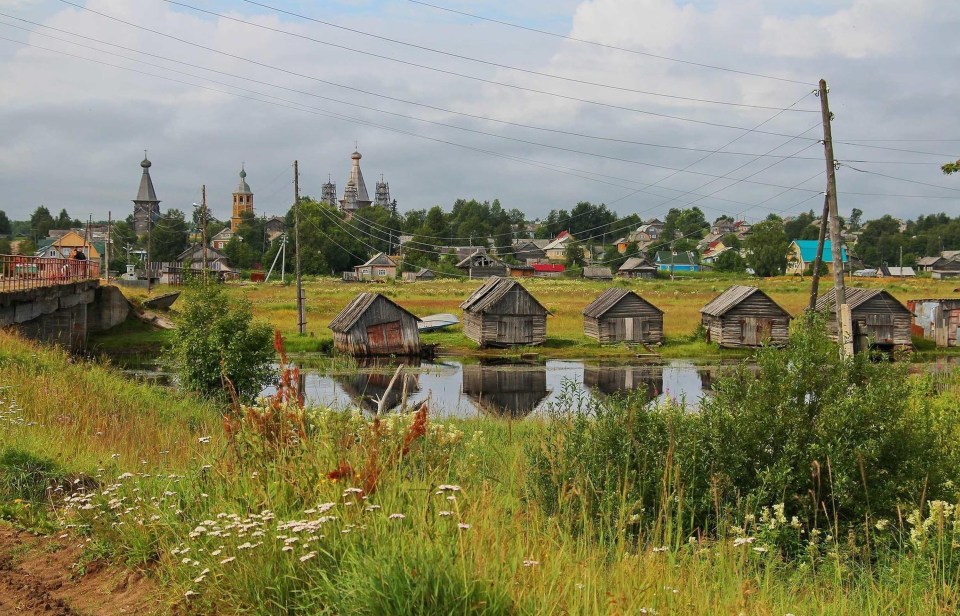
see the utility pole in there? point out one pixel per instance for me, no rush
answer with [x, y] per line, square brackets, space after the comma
[203, 228]
[673, 254]
[301, 322]
[815, 285]
[106, 245]
[844, 321]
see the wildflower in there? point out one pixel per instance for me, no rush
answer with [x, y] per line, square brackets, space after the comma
[662, 548]
[446, 513]
[307, 556]
[881, 525]
[189, 594]
[463, 526]
[113, 456]
[741, 541]
[396, 516]
[228, 559]
[447, 488]
[125, 476]
[760, 549]
[531, 563]
[287, 548]
[203, 440]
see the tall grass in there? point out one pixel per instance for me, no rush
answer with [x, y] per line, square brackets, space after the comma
[284, 509]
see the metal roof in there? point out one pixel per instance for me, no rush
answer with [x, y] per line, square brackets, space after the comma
[380, 259]
[808, 250]
[610, 298]
[243, 188]
[355, 309]
[146, 192]
[731, 298]
[855, 297]
[492, 291]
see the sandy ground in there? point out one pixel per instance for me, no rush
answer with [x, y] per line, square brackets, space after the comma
[38, 577]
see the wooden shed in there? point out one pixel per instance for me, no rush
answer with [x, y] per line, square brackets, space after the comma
[937, 319]
[620, 315]
[745, 316]
[597, 272]
[637, 267]
[481, 265]
[421, 274]
[513, 391]
[373, 325]
[502, 313]
[879, 319]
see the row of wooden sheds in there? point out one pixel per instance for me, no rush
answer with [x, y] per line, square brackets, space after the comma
[503, 313]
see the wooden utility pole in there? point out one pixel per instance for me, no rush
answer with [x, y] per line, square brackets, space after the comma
[203, 228]
[106, 245]
[815, 285]
[301, 322]
[844, 325]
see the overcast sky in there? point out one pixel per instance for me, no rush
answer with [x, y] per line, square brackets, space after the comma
[74, 131]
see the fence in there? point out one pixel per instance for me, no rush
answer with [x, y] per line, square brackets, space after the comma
[22, 272]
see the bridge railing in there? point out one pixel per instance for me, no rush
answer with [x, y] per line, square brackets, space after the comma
[23, 272]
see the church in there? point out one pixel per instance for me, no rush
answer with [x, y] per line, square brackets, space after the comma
[355, 195]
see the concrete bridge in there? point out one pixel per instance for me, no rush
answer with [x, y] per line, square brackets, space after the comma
[57, 301]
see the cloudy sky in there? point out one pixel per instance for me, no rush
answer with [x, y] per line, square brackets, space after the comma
[456, 106]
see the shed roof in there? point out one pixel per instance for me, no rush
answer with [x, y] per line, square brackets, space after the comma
[637, 263]
[355, 309]
[733, 296]
[549, 267]
[677, 258]
[492, 291]
[380, 259]
[597, 271]
[465, 262]
[610, 298]
[855, 297]
[808, 250]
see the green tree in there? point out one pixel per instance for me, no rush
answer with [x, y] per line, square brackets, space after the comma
[41, 221]
[216, 336]
[951, 168]
[5, 226]
[767, 248]
[169, 236]
[573, 254]
[881, 241]
[730, 261]
[63, 221]
[855, 219]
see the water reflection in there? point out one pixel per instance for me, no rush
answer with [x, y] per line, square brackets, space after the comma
[618, 380]
[369, 384]
[506, 391]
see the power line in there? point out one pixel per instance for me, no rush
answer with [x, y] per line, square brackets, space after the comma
[891, 177]
[449, 54]
[605, 46]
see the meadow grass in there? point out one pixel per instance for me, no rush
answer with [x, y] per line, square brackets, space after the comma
[283, 510]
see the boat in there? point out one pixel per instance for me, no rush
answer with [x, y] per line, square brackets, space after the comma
[161, 302]
[433, 322]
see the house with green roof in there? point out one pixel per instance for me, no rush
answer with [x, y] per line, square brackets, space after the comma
[667, 261]
[804, 252]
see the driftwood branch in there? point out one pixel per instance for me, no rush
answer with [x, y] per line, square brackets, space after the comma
[382, 402]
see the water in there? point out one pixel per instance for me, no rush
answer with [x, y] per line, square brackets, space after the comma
[512, 390]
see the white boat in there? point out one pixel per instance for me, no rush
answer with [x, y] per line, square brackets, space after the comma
[436, 321]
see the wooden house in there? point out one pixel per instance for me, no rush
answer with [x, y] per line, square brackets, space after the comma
[620, 315]
[481, 265]
[597, 272]
[637, 267]
[421, 274]
[879, 320]
[937, 320]
[520, 270]
[502, 313]
[529, 250]
[379, 267]
[373, 325]
[513, 392]
[745, 316]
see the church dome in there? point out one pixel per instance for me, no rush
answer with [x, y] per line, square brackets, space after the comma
[356, 156]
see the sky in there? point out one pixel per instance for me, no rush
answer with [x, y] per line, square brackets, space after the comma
[657, 104]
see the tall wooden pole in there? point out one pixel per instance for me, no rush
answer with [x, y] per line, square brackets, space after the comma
[844, 332]
[301, 322]
[815, 285]
[106, 246]
[203, 230]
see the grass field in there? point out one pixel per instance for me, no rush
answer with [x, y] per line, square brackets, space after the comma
[680, 299]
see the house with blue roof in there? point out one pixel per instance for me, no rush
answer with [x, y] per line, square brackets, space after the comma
[804, 252]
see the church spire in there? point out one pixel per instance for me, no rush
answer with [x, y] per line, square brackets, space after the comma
[146, 207]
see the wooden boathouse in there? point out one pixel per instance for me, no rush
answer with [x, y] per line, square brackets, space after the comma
[620, 315]
[482, 265]
[879, 319]
[745, 316]
[502, 313]
[373, 325]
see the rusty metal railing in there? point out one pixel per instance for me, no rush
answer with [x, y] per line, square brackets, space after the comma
[23, 272]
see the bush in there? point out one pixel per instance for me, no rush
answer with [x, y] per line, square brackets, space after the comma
[217, 337]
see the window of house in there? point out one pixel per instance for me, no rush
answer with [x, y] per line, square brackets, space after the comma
[381, 272]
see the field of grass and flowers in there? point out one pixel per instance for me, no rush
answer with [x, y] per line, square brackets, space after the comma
[680, 299]
[807, 485]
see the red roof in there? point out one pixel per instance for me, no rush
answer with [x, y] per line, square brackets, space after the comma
[548, 267]
[562, 235]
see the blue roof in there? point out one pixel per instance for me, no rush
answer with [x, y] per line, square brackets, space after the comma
[808, 251]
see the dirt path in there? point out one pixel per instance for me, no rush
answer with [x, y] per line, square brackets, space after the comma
[38, 577]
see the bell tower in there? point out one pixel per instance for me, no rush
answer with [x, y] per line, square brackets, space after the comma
[242, 201]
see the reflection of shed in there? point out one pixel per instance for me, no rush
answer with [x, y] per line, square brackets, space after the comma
[373, 325]
[482, 265]
[503, 313]
[614, 380]
[620, 315]
[369, 385]
[745, 316]
[878, 318]
[936, 319]
[509, 391]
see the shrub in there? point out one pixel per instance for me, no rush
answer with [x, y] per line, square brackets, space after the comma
[216, 337]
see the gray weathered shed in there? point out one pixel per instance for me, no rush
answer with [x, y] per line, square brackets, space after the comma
[373, 325]
[482, 265]
[745, 316]
[597, 272]
[620, 315]
[637, 267]
[503, 313]
[421, 274]
[879, 319]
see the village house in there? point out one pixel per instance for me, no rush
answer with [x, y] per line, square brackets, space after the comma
[620, 315]
[520, 270]
[482, 265]
[275, 226]
[548, 270]
[221, 239]
[936, 319]
[597, 272]
[668, 261]
[745, 316]
[372, 325]
[379, 267]
[526, 251]
[946, 266]
[803, 253]
[637, 267]
[65, 246]
[502, 313]
[556, 250]
[885, 271]
[879, 320]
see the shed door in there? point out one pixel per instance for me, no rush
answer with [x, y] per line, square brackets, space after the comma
[880, 328]
[756, 330]
[385, 336]
[635, 329]
[516, 330]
